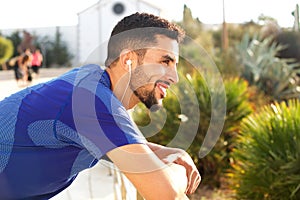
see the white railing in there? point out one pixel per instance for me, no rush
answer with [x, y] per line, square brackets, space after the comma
[102, 182]
[123, 188]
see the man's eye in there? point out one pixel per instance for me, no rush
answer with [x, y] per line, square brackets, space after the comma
[166, 62]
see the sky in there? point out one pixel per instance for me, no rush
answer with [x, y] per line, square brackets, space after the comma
[44, 13]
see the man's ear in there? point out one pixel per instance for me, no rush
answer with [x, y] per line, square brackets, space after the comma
[127, 58]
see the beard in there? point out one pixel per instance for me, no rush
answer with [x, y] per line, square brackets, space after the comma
[139, 84]
[148, 98]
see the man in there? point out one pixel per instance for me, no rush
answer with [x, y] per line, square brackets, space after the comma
[50, 132]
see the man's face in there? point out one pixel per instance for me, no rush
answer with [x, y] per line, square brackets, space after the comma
[158, 70]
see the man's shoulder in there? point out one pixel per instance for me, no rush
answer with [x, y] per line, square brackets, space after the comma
[90, 78]
[80, 75]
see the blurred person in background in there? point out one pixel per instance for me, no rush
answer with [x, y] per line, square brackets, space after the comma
[36, 63]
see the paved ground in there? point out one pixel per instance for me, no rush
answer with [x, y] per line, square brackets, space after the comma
[92, 184]
[8, 84]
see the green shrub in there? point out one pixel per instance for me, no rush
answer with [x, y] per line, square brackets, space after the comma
[176, 119]
[267, 157]
[213, 166]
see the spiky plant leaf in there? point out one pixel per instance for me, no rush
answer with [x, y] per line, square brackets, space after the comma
[267, 157]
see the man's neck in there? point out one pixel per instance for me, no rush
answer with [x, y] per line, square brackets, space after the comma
[120, 87]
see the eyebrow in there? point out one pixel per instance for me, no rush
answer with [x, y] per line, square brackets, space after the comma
[168, 57]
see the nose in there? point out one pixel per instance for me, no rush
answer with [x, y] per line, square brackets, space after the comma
[172, 75]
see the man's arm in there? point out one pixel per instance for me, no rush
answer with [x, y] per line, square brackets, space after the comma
[180, 157]
[151, 177]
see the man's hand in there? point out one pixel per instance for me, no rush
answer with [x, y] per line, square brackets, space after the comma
[180, 157]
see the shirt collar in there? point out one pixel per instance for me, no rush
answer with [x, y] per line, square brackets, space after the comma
[105, 79]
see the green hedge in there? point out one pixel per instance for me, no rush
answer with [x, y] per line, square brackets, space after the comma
[267, 158]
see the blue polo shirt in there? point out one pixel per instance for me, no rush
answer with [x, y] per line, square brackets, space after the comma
[52, 131]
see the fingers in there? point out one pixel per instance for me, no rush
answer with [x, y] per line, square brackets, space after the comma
[192, 173]
[194, 179]
[193, 182]
[182, 158]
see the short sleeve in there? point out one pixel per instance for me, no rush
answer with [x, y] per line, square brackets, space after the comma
[98, 120]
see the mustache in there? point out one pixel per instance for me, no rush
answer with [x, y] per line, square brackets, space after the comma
[163, 82]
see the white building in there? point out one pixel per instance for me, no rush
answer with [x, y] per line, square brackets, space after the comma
[96, 23]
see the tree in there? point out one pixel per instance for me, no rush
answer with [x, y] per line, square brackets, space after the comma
[192, 26]
[6, 49]
[57, 53]
[16, 40]
[26, 42]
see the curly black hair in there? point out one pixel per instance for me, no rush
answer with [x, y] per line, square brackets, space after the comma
[137, 31]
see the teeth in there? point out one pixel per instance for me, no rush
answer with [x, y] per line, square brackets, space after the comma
[164, 90]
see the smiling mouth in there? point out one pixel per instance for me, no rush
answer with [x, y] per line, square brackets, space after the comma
[162, 86]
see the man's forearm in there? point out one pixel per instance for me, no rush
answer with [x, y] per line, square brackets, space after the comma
[164, 152]
[154, 146]
[152, 178]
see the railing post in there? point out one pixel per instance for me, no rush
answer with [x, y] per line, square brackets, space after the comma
[138, 196]
[123, 189]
